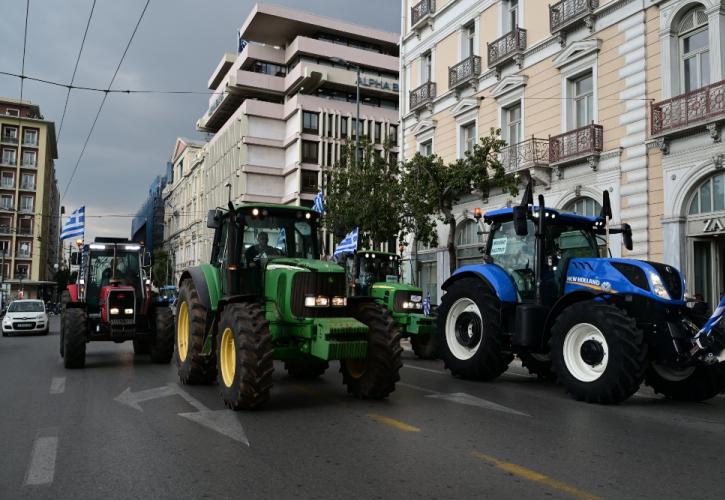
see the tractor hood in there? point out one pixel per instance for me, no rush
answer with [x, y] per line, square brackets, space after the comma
[320, 266]
[397, 287]
[626, 276]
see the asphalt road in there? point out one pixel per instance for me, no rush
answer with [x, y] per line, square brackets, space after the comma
[123, 428]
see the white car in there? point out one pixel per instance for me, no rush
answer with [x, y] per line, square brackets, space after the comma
[26, 316]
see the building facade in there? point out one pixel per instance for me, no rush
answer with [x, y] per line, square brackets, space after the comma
[568, 83]
[147, 227]
[29, 201]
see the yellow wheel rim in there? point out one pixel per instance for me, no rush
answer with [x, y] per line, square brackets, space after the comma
[355, 367]
[228, 357]
[183, 332]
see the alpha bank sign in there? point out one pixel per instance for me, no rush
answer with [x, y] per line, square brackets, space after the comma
[378, 83]
[712, 225]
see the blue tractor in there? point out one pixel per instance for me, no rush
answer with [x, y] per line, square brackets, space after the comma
[549, 293]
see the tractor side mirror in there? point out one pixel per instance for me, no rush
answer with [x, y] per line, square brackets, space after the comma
[146, 259]
[212, 219]
[606, 206]
[627, 236]
[520, 223]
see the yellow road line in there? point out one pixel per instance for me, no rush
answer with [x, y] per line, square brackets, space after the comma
[536, 477]
[401, 426]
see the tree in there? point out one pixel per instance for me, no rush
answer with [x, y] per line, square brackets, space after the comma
[366, 195]
[431, 188]
[160, 266]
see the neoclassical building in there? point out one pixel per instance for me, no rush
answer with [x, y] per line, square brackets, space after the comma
[580, 90]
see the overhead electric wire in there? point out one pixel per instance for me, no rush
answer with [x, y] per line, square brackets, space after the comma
[105, 96]
[22, 65]
[75, 69]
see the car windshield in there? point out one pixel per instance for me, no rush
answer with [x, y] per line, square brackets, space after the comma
[26, 306]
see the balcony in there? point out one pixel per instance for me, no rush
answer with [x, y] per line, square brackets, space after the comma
[582, 143]
[8, 161]
[422, 11]
[28, 186]
[422, 96]
[704, 107]
[568, 14]
[25, 231]
[464, 72]
[29, 164]
[7, 139]
[531, 155]
[509, 47]
[5, 230]
[33, 143]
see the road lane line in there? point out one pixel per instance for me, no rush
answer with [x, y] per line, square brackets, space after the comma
[42, 461]
[440, 372]
[57, 385]
[401, 426]
[536, 477]
[467, 399]
[416, 387]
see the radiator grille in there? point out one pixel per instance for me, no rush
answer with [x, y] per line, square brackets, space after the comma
[312, 283]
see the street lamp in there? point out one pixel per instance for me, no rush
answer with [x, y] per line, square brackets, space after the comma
[357, 102]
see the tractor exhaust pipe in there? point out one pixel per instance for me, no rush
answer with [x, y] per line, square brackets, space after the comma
[540, 257]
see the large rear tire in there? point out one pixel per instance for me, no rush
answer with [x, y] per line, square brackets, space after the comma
[425, 346]
[598, 353]
[375, 376]
[306, 368]
[472, 343]
[244, 351]
[75, 325]
[696, 383]
[194, 368]
[64, 300]
[162, 345]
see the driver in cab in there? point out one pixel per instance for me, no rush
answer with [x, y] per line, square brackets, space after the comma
[260, 250]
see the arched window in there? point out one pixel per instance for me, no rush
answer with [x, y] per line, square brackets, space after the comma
[467, 233]
[709, 197]
[694, 49]
[584, 206]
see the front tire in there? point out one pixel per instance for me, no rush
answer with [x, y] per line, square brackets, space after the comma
[244, 351]
[306, 368]
[598, 353]
[425, 346]
[141, 346]
[469, 327]
[375, 376]
[194, 368]
[74, 338]
[696, 383]
[162, 345]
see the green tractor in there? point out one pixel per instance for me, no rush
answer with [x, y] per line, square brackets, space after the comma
[377, 274]
[265, 296]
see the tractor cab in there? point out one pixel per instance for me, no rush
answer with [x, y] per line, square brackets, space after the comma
[367, 267]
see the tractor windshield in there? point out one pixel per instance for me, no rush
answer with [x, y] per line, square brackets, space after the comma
[275, 236]
[375, 268]
[101, 272]
[516, 255]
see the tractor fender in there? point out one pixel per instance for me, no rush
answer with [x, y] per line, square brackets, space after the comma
[202, 288]
[566, 301]
[495, 277]
[234, 299]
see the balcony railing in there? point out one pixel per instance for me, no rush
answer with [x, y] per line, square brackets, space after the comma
[8, 160]
[9, 139]
[29, 164]
[422, 95]
[421, 10]
[7, 185]
[5, 230]
[578, 143]
[525, 155]
[697, 107]
[25, 231]
[509, 46]
[568, 12]
[464, 71]
[31, 142]
[27, 185]
[22, 255]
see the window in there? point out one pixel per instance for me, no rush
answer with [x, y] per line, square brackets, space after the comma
[426, 147]
[27, 181]
[9, 157]
[309, 181]
[511, 19]
[709, 197]
[10, 134]
[310, 122]
[30, 137]
[468, 137]
[24, 249]
[582, 89]
[393, 158]
[330, 126]
[468, 47]
[343, 126]
[467, 233]
[426, 67]
[26, 203]
[12, 112]
[22, 271]
[6, 202]
[309, 152]
[26, 225]
[268, 68]
[584, 206]
[512, 124]
[4, 247]
[5, 224]
[393, 134]
[378, 132]
[8, 180]
[181, 168]
[694, 49]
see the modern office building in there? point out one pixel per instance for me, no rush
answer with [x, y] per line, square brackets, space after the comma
[147, 227]
[569, 83]
[29, 200]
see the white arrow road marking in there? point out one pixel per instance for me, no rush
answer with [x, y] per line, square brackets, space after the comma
[465, 399]
[42, 460]
[222, 421]
[57, 385]
[133, 399]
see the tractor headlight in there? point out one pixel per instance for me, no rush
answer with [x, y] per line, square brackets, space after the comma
[339, 301]
[114, 310]
[658, 287]
[128, 311]
[317, 301]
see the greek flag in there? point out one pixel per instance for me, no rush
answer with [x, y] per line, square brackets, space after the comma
[75, 225]
[317, 206]
[426, 305]
[347, 245]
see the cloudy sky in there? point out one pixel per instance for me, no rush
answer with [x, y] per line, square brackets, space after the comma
[177, 46]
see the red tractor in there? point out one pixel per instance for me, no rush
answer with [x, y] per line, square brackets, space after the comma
[111, 301]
